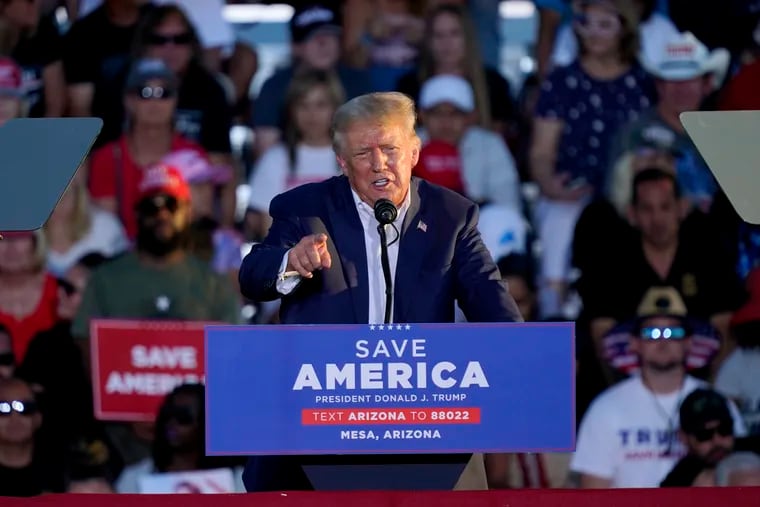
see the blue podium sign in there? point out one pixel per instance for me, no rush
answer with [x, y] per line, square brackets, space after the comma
[416, 388]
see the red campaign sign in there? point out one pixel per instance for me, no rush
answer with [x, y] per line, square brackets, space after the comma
[136, 363]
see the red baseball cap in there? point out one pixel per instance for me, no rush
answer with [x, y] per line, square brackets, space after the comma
[164, 179]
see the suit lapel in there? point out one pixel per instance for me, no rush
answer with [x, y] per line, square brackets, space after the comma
[348, 237]
[413, 246]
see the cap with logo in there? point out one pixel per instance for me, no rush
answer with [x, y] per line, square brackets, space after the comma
[310, 20]
[11, 82]
[685, 57]
[662, 302]
[447, 89]
[703, 406]
[165, 180]
[655, 136]
[146, 69]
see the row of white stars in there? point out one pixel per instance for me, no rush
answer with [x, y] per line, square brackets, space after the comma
[390, 327]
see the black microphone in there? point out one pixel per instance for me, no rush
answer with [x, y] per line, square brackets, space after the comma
[385, 211]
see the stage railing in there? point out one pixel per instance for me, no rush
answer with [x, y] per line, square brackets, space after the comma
[692, 497]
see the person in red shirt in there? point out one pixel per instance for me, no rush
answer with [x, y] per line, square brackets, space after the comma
[440, 164]
[116, 169]
[28, 293]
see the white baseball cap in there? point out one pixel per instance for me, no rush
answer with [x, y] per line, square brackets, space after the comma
[447, 89]
[685, 57]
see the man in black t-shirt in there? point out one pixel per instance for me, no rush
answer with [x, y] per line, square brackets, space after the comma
[662, 253]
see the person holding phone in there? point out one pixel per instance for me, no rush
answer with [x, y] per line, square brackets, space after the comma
[579, 109]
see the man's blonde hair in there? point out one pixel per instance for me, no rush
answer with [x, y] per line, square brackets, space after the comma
[379, 106]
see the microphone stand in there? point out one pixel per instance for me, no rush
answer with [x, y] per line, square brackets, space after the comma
[385, 262]
[385, 213]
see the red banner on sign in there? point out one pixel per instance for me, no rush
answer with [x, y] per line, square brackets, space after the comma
[135, 364]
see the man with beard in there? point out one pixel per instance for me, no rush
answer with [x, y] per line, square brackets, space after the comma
[160, 279]
[628, 436]
[707, 429]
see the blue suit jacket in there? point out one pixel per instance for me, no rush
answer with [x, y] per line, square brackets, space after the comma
[441, 259]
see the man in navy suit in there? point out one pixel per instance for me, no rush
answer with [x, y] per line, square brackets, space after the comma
[322, 253]
[318, 255]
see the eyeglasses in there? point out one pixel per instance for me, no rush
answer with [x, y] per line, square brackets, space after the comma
[724, 429]
[155, 92]
[662, 333]
[23, 407]
[180, 39]
[151, 206]
[7, 359]
[182, 414]
[600, 26]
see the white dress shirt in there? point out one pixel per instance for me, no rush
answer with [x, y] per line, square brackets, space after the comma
[286, 285]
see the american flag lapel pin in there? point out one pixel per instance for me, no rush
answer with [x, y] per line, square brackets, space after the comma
[422, 226]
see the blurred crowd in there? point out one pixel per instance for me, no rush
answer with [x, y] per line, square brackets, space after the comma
[594, 201]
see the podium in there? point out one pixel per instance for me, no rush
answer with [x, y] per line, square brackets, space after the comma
[40, 158]
[346, 407]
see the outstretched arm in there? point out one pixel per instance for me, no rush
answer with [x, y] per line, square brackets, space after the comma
[289, 254]
[259, 270]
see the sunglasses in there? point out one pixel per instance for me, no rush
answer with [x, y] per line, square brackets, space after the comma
[23, 407]
[600, 26]
[662, 333]
[155, 93]
[151, 206]
[180, 39]
[724, 429]
[7, 359]
[182, 415]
